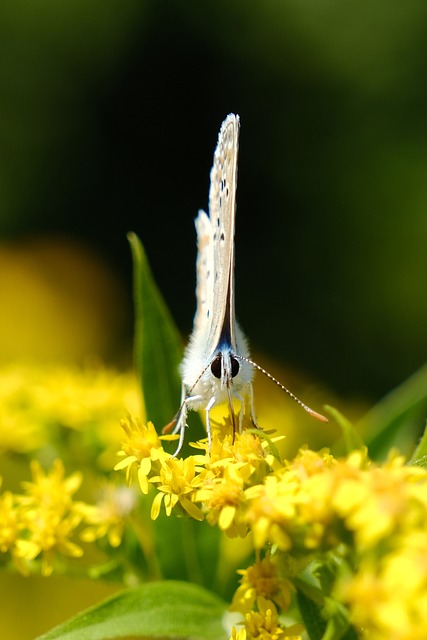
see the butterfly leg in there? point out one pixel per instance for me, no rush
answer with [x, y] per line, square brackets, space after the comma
[180, 426]
[252, 407]
[181, 419]
[241, 399]
[177, 418]
[208, 421]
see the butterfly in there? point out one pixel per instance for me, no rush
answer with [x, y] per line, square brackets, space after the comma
[216, 367]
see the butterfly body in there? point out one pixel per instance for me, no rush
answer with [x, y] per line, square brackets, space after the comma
[216, 367]
[211, 371]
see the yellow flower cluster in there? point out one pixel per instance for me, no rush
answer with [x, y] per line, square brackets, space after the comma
[216, 481]
[61, 412]
[39, 401]
[371, 519]
[264, 624]
[44, 522]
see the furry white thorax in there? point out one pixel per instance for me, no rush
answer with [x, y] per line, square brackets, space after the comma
[208, 386]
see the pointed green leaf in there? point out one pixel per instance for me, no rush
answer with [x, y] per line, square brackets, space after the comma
[311, 616]
[397, 419]
[156, 610]
[323, 617]
[187, 549]
[157, 347]
[352, 439]
[338, 626]
[419, 457]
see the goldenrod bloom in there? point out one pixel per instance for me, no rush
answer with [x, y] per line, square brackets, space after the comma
[262, 579]
[141, 448]
[108, 516]
[49, 516]
[176, 484]
[223, 499]
[264, 624]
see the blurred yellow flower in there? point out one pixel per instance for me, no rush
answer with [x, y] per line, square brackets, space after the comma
[264, 623]
[108, 516]
[271, 507]
[38, 401]
[382, 500]
[388, 593]
[50, 491]
[49, 516]
[262, 579]
[50, 534]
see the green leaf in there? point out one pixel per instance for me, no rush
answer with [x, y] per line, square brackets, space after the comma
[351, 437]
[323, 617]
[157, 346]
[338, 627]
[311, 615]
[187, 550]
[419, 457]
[158, 609]
[396, 420]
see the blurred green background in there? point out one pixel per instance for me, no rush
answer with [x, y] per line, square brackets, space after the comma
[109, 115]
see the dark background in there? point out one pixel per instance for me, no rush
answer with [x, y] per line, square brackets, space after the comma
[109, 115]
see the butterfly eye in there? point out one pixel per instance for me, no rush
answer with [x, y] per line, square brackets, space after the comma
[216, 366]
[235, 366]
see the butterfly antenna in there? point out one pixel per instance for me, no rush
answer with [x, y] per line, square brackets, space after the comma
[313, 413]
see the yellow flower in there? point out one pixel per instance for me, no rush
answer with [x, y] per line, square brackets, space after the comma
[264, 624]
[11, 528]
[50, 533]
[50, 490]
[176, 484]
[35, 401]
[223, 500]
[49, 515]
[262, 579]
[246, 450]
[305, 504]
[309, 463]
[231, 465]
[108, 516]
[10, 522]
[271, 508]
[388, 595]
[21, 428]
[141, 448]
[382, 500]
[238, 634]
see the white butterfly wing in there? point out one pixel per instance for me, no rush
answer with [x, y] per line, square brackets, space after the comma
[205, 274]
[214, 320]
[222, 211]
